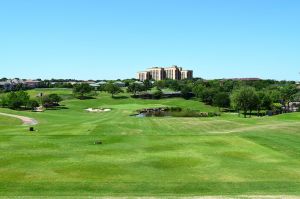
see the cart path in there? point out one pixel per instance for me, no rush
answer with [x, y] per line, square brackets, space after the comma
[25, 120]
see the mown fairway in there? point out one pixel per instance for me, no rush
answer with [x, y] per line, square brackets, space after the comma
[223, 155]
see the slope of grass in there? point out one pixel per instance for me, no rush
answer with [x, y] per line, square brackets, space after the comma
[223, 155]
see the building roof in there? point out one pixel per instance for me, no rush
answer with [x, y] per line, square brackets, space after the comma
[244, 79]
[31, 81]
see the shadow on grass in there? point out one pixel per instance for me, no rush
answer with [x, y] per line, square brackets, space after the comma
[62, 107]
[120, 97]
[86, 97]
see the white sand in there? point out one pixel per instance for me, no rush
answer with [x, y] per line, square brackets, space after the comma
[98, 110]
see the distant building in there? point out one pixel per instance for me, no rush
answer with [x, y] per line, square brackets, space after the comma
[31, 83]
[10, 84]
[156, 73]
[160, 73]
[244, 79]
[186, 74]
[120, 84]
[142, 76]
[173, 72]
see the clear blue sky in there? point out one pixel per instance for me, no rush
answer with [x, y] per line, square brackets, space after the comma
[110, 39]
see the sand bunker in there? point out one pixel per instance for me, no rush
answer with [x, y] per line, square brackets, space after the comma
[98, 110]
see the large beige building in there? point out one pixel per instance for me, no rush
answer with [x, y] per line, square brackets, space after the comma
[160, 73]
[186, 74]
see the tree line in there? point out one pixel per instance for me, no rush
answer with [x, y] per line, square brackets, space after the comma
[21, 100]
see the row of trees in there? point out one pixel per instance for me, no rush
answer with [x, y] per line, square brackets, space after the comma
[84, 90]
[248, 99]
[245, 96]
[22, 100]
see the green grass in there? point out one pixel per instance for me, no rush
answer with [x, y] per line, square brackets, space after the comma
[224, 155]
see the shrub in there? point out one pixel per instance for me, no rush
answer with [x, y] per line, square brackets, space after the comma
[16, 100]
[32, 104]
[157, 94]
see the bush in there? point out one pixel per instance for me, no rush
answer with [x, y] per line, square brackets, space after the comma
[32, 104]
[16, 100]
[157, 94]
[51, 100]
[80, 90]
[3, 101]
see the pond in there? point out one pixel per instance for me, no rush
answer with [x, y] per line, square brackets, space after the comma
[173, 112]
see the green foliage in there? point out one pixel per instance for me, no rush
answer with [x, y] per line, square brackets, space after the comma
[81, 90]
[288, 93]
[112, 89]
[147, 84]
[198, 90]
[3, 100]
[221, 99]
[245, 99]
[195, 156]
[157, 94]
[51, 100]
[18, 99]
[296, 97]
[160, 84]
[32, 104]
[186, 92]
[276, 106]
[135, 87]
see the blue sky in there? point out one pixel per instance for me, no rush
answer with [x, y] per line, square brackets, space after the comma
[110, 39]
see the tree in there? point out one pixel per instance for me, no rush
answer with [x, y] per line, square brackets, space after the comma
[147, 84]
[244, 99]
[264, 102]
[222, 100]
[32, 104]
[287, 93]
[16, 100]
[82, 89]
[207, 95]
[135, 87]
[296, 97]
[51, 100]
[157, 94]
[3, 100]
[160, 84]
[113, 89]
[55, 99]
[198, 89]
[186, 92]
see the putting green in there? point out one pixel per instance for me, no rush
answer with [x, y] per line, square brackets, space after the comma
[168, 156]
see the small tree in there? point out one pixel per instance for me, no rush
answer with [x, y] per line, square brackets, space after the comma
[287, 94]
[81, 90]
[198, 89]
[207, 95]
[221, 100]
[32, 104]
[244, 99]
[147, 84]
[186, 92]
[134, 88]
[54, 98]
[16, 100]
[3, 100]
[157, 94]
[113, 89]
[51, 100]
